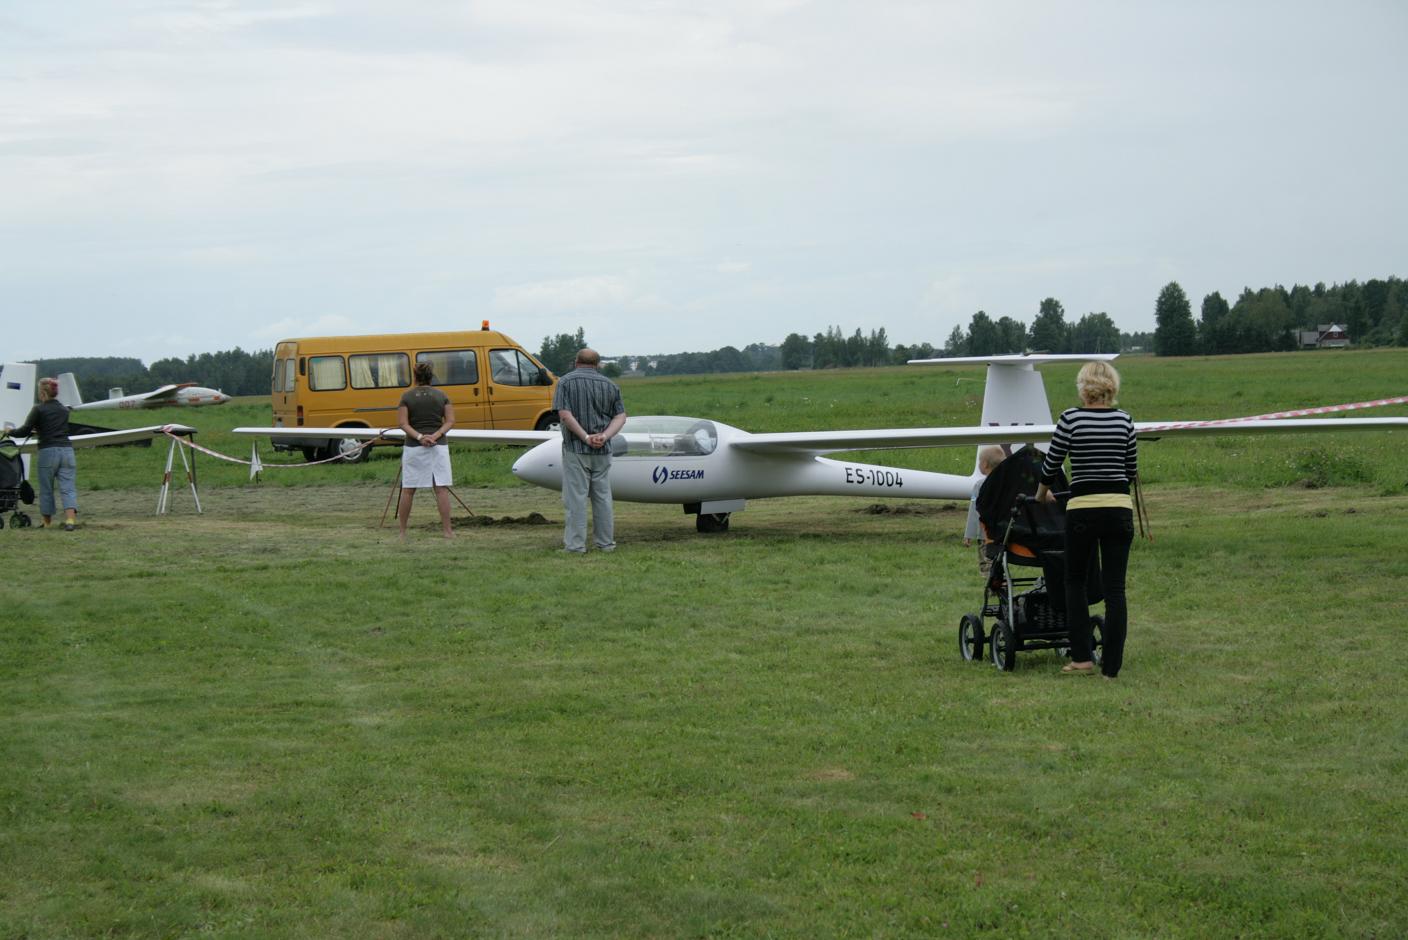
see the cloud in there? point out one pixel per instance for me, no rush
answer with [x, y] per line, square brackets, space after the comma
[566, 295]
[734, 267]
[329, 324]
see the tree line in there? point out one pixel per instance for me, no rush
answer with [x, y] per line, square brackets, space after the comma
[1374, 313]
[233, 371]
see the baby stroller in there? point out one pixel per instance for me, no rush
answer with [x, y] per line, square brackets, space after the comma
[14, 488]
[1028, 611]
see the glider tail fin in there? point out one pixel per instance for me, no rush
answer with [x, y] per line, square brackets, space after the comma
[68, 390]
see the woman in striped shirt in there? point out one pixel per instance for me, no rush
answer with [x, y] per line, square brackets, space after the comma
[1099, 439]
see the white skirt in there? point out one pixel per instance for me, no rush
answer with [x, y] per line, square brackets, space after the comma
[425, 466]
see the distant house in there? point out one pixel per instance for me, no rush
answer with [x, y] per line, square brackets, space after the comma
[1325, 336]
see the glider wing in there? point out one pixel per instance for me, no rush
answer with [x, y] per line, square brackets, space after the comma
[827, 442]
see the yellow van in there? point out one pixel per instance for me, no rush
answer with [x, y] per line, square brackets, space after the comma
[357, 382]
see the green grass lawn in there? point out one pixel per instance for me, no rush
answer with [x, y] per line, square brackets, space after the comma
[273, 720]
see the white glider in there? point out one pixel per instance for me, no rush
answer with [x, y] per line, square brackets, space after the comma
[184, 394]
[712, 469]
[17, 380]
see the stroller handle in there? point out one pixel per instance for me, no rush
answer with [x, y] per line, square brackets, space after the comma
[1061, 497]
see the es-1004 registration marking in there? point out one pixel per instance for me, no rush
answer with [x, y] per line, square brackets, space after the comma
[860, 476]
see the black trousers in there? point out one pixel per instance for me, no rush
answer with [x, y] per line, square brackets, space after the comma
[1112, 532]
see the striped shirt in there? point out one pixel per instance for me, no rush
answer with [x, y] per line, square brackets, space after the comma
[1101, 445]
[593, 400]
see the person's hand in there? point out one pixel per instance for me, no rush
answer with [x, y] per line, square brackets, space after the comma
[597, 440]
[427, 440]
[1044, 495]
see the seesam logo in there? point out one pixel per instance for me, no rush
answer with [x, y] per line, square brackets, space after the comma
[663, 474]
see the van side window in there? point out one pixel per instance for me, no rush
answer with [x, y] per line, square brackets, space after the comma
[511, 367]
[289, 375]
[452, 366]
[326, 373]
[380, 370]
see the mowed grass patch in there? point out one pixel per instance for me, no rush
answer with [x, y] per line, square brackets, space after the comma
[275, 720]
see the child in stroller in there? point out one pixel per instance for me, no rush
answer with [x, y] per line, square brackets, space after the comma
[1028, 612]
[14, 488]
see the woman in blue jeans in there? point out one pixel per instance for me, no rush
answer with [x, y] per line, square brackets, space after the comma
[49, 420]
[1099, 439]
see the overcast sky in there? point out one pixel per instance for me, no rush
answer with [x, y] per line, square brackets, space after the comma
[182, 176]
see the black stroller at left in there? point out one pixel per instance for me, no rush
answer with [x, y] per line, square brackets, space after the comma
[1027, 609]
[14, 488]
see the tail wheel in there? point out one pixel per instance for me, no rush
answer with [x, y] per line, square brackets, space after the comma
[708, 522]
[970, 637]
[1004, 646]
[1097, 637]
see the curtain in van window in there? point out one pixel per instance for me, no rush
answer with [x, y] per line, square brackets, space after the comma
[361, 371]
[393, 370]
[325, 373]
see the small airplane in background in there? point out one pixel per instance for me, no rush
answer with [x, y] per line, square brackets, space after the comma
[17, 381]
[186, 394]
[712, 469]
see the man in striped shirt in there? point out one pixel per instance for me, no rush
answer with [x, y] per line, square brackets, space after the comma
[589, 406]
[1100, 441]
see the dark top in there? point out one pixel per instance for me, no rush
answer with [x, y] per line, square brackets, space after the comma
[50, 421]
[593, 400]
[1101, 445]
[425, 408]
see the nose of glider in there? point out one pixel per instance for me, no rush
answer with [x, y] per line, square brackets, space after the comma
[542, 465]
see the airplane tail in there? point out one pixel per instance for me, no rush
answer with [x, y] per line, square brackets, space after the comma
[17, 381]
[1015, 393]
[68, 390]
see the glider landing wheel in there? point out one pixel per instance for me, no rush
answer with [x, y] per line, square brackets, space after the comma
[709, 522]
[970, 637]
[1004, 651]
[1097, 637]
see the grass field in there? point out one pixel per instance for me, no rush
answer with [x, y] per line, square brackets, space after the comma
[273, 720]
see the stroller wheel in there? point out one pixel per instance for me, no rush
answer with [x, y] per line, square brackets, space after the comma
[25, 522]
[1097, 637]
[1004, 646]
[970, 637]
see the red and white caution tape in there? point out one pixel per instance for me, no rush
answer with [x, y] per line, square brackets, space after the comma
[1295, 413]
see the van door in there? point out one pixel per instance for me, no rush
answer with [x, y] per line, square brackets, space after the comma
[281, 387]
[520, 390]
[457, 375]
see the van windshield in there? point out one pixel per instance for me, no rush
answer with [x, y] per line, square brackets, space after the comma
[668, 436]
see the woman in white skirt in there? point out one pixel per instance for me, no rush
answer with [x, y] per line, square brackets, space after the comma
[425, 414]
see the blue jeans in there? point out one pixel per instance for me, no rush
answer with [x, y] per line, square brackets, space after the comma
[57, 463]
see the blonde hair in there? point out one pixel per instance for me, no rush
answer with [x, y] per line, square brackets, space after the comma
[48, 388]
[1098, 383]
